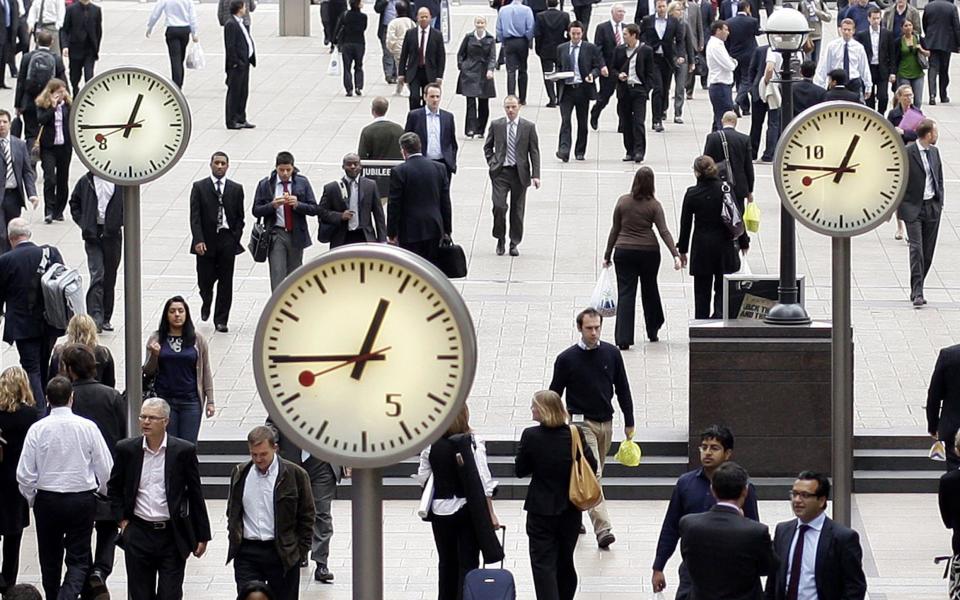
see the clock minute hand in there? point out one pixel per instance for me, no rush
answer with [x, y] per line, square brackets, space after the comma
[289, 358]
[846, 159]
[816, 168]
[123, 126]
[133, 116]
[370, 338]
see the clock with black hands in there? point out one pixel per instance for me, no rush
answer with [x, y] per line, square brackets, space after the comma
[130, 125]
[365, 355]
[840, 168]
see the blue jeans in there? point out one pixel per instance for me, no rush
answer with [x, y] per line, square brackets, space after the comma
[721, 99]
[185, 415]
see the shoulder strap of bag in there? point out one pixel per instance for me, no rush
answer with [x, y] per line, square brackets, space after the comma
[343, 192]
[575, 445]
[726, 155]
[44, 260]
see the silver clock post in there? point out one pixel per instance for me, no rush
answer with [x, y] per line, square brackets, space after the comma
[367, 519]
[132, 302]
[842, 382]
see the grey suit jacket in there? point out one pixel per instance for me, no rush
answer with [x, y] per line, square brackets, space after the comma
[370, 211]
[527, 151]
[22, 170]
[909, 209]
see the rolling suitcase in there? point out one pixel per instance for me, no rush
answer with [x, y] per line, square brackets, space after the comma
[490, 584]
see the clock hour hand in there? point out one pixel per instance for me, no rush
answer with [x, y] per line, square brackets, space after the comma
[846, 159]
[308, 377]
[370, 338]
[133, 116]
[290, 358]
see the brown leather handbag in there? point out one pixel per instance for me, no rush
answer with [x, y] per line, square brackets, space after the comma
[585, 491]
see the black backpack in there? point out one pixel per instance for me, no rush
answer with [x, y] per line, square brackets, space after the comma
[40, 70]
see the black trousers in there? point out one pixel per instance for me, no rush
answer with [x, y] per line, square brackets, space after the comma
[507, 180]
[703, 285]
[103, 261]
[330, 17]
[758, 115]
[80, 66]
[55, 161]
[553, 538]
[547, 65]
[632, 109]
[238, 88]
[608, 85]
[35, 360]
[922, 240]
[259, 561]
[457, 552]
[661, 93]
[741, 76]
[11, 560]
[416, 89]
[939, 71]
[154, 566]
[105, 548]
[478, 113]
[635, 266]
[177, 40]
[574, 98]
[582, 14]
[64, 525]
[216, 267]
[517, 51]
[352, 60]
[878, 94]
[9, 209]
[426, 249]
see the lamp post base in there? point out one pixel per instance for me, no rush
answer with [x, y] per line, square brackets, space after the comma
[787, 314]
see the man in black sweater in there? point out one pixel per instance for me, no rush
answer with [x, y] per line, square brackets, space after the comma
[590, 371]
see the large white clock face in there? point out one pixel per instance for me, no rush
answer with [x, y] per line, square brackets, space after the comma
[365, 355]
[130, 125]
[840, 168]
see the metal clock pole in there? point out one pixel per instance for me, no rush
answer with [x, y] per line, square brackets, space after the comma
[367, 519]
[842, 382]
[132, 302]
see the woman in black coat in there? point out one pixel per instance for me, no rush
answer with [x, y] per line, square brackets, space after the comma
[476, 61]
[553, 522]
[53, 114]
[17, 414]
[713, 252]
[350, 39]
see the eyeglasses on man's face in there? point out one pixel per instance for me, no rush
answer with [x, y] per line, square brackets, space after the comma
[151, 418]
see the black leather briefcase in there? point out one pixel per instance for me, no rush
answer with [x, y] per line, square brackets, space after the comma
[451, 259]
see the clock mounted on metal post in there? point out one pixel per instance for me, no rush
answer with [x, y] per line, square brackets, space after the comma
[841, 170]
[362, 358]
[129, 126]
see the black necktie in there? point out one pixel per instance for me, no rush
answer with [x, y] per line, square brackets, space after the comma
[796, 564]
[220, 205]
[846, 59]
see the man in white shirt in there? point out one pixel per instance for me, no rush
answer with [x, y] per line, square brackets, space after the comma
[806, 573]
[849, 55]
[64, 461]
[720, 68]
[50, 19]
[270, 516]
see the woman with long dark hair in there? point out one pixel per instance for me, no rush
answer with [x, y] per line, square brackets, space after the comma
[178, 359]
[908, 62]
[53, 115]
[637, 256]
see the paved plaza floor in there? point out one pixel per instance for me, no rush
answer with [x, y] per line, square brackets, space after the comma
[524, 307]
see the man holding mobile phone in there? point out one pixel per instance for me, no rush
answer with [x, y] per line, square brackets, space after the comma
[591, 371]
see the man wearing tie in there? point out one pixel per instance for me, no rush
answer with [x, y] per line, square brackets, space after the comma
[848, 54]
[422, 57]
[240, 55]
[350, 208]
[664, 35]
[922, 205]
[819, 558]
[632, 67]
[216, 222]
[513, 156]
[609, 36]
[584, 60]
[19, 178]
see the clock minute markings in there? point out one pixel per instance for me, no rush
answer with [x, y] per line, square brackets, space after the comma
[290, 399]
[406, 430]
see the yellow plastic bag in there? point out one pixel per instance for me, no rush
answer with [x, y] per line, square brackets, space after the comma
[751, 217]
[629, 453]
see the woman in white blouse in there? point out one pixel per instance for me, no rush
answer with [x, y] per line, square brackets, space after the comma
[453, 528]
[181, 26]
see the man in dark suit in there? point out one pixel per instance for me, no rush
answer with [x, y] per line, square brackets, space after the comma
[13, 151]
[512, 150]
[21, 302]
[922, 204]
[350, 207]
[819, 558]
[419, 212]
[155, 488]
[9, 28]
[725, 552]
[26, 92]
[632, 67]
[102, 233]
[943, 406]
[741, 43]
[608, 36]
[941, 29]
[584, 60]
[758, 105]
[284, 200]
[80, 34]
[837, 88]
[436, 128]
[805, 92]
[740, 151]
[549, 31]
[239, 55]
[645, 8]
[728, 9]
[380, 140]
[664, 35]
[879, 44]
[105, 407]
[216, 223]
[422, 57]
[223, 12]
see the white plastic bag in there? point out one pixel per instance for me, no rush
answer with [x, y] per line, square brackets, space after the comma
[334, 67]
[195, 57]
[744, 267]
[604, 298]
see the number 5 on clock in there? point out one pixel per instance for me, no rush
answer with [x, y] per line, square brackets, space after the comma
[394, 405]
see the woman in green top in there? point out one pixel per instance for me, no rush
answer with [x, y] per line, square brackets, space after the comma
[909, 68]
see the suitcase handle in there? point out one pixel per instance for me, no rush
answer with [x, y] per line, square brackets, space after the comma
[503, 543]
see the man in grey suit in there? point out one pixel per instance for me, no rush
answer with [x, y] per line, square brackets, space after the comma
[513, 156]
[350, 208]
[922, 205]
[18, 177]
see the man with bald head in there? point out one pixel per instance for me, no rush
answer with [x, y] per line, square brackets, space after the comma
[422, 57]
[350, 208]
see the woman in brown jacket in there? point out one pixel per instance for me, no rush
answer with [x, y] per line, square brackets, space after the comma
[638, 257]
[178, 360]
